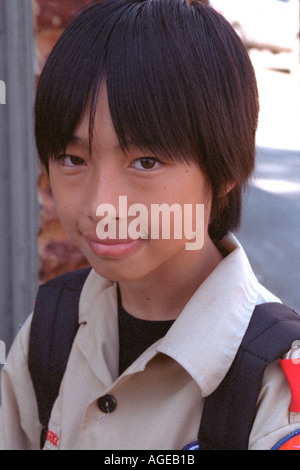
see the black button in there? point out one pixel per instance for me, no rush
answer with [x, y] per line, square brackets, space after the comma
[107, 403]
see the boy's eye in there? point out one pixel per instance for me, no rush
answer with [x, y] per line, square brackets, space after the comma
[70, 160]
[146, 163]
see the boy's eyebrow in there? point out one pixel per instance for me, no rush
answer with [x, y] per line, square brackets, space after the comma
[77, 140]
[84, 142]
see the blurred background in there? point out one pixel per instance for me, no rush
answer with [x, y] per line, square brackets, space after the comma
[33, 245]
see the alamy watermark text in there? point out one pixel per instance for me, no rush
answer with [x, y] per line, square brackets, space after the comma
[188, 222]
[2, 352]
[2, 92]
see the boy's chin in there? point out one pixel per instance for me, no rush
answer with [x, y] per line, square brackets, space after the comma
[119, 274]
[119, 270]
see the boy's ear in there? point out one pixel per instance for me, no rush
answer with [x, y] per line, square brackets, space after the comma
[228, 187]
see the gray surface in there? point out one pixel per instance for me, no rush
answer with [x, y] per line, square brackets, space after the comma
[270, 230]
[19, 169]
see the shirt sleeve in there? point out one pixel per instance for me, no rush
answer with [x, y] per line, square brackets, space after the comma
[19, 425]
[274, 422]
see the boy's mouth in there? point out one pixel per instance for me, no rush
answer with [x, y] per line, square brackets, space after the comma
[112, 247]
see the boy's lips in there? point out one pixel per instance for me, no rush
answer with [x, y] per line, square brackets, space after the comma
[108, 241]
[112, 247]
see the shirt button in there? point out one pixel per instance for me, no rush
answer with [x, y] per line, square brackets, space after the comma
[107, 403]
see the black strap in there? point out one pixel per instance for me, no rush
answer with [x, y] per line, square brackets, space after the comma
[229, 412]
[54, 326]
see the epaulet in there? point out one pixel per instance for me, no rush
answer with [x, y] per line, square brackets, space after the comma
[290, 365]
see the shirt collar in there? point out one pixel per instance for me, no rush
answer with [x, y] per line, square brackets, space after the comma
[206, 336]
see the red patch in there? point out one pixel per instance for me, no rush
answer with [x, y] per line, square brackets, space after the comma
[52, 438]
[291, 369]
[290, 442]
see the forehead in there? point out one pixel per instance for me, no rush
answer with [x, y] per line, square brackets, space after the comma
[102, 134]
[103, 129]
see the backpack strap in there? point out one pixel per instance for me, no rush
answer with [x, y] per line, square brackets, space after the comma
[229, 412]
[54, 326]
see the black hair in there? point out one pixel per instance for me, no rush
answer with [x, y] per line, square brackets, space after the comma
[179, 82]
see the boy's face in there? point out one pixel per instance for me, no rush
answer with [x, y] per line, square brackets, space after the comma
[82, 182]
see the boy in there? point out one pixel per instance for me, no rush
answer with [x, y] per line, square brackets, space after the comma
[154, 100]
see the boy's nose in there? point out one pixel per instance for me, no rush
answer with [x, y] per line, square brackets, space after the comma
[105, 188]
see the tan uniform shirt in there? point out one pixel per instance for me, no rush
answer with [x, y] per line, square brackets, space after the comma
[159, 398]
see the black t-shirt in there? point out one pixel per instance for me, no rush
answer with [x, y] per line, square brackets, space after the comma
[136, 335]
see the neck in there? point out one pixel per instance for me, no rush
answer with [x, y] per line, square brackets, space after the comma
[163, 294]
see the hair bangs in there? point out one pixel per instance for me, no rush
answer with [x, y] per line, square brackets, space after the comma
[140, 63]
[144, 108]
[159, 87]
[70, 79]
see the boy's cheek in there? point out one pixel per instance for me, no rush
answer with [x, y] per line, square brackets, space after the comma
[68, 215]
[67, 204]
